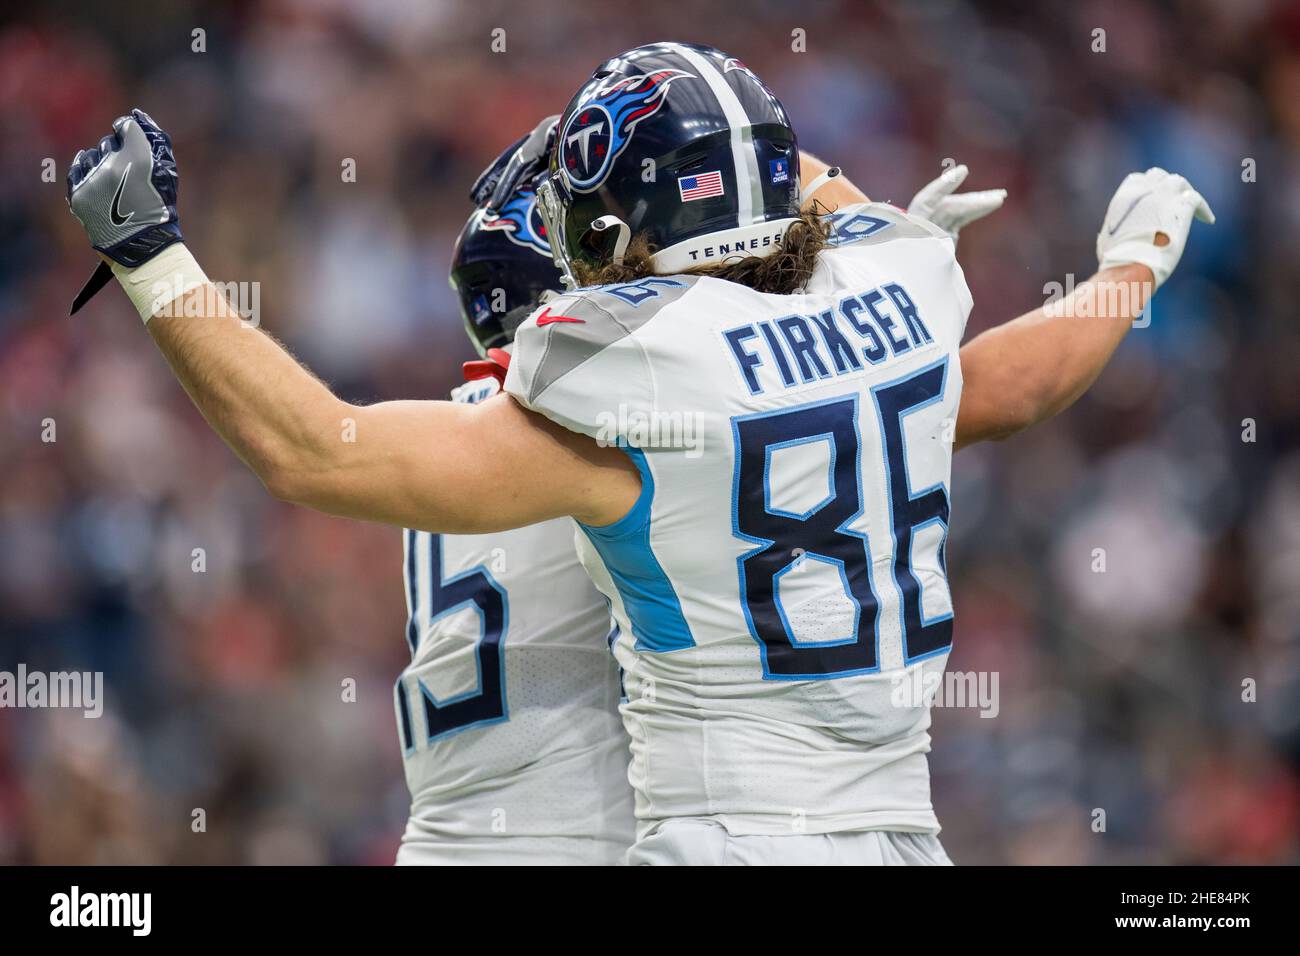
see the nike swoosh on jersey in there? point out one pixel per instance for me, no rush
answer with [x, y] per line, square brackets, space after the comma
[1131, 207]
[546, 318]
[114, 211]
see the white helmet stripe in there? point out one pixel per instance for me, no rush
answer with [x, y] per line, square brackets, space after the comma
[749, 187]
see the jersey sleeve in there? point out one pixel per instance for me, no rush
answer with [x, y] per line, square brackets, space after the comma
[863, 221]
[579, 361]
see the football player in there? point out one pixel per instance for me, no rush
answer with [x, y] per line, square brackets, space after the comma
[752, 425]
[543, 779]
[509, 639]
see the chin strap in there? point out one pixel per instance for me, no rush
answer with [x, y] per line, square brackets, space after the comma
[819, 182]
[494, 366]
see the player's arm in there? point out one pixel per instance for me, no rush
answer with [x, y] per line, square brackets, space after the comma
[439, 466]
[433, 465]
[938, 201]
[1033, 367]
[833, 192]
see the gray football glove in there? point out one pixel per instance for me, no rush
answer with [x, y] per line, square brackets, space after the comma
[123, 192]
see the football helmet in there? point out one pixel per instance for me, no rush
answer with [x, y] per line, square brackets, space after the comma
[678, 141]
[501, 266]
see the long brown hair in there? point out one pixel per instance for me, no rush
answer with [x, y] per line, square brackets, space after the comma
[782, 273]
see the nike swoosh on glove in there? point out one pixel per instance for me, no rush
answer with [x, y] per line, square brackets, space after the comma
[1145, 204]
[123, 192]
[936, 202]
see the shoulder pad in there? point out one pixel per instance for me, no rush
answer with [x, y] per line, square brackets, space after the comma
[874, 222]
[861, 229]
[570, 330]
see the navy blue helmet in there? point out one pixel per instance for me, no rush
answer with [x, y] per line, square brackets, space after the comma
[501, 265]
[503, 262]
[681, 142]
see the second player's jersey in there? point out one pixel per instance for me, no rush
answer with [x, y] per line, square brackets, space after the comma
[783, 569]
[508, 711]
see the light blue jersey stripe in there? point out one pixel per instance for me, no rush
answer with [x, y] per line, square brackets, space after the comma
[648, 596]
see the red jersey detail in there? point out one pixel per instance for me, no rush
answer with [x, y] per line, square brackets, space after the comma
[494, 366]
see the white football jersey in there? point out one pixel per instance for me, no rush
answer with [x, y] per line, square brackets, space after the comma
[783, 569]
[508, 712]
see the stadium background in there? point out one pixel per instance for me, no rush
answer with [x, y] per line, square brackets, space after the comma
[1119, 690]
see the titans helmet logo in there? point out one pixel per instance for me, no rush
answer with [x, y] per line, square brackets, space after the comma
[521, 221]
[601, 129]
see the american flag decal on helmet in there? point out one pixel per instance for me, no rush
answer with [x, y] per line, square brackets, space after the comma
[700, 186]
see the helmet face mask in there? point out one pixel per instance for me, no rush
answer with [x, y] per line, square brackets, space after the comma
[682, 143]
[551, 207]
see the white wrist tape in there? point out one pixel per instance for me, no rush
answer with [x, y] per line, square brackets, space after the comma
[160, 281]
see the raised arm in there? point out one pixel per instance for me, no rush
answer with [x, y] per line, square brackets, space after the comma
[416, 464]
[1035, 366]
[1031, 368]
[833, 192]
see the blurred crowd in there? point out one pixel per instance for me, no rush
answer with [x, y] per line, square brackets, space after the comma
[1131, 571]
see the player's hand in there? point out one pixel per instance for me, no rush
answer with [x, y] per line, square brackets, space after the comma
[123, 191]
[1145, 206]
[949, 212]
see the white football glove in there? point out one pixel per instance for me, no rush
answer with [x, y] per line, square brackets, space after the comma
[1146, 204]
[937, 203]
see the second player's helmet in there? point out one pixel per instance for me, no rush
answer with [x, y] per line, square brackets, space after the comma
[501, 265]
[681, 142]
